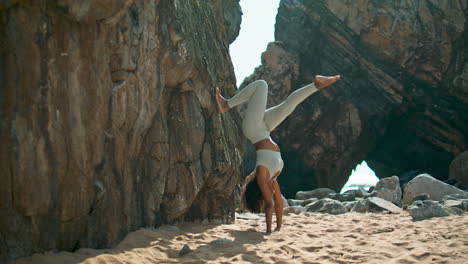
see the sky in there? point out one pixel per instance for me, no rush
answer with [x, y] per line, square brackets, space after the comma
[257, 30]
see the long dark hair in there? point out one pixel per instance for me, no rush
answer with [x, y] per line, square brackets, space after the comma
[251, 195]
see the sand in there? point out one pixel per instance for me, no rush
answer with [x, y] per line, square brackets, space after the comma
[305, 238]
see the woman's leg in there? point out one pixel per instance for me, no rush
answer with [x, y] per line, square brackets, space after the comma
[275, 115]
[263, 178]
[278, 204]
[255, 95]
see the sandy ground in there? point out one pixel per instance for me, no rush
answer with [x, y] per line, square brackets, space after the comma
[305, 238]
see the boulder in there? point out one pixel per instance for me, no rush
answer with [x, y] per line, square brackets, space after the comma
[294, 210]
[388, 189]
[222, 241]
[427, 184]
[362, 193]
[421, 210]
[361, 206]
[458, 169]
[460, 204]
[294, 202]
[285, 202]
[185, 250]
[374, 205]
[345, 197]
[309, 201]
[385, 204]
[422, 197]
[328, 206]
[456, 196]
[317, 193]
[349, 205]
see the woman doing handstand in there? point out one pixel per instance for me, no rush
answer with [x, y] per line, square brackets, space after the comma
[261, 185]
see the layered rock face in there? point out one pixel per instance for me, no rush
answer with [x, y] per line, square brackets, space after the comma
[108, 122]
[401, 104]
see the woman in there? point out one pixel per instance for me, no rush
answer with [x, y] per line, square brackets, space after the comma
[261, 186]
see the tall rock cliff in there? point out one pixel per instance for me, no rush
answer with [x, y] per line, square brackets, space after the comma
[401, 104]
[108, 121]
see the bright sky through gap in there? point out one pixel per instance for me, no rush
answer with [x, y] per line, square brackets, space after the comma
[361, 175]
[257, 30]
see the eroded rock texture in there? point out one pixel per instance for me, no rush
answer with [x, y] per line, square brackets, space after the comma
[401, 104]
[108, 122]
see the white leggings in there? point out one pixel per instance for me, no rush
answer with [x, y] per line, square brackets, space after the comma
[258, 121]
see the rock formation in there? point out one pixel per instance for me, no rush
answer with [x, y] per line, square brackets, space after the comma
[107, 119]
[401, 104]
[458, 170]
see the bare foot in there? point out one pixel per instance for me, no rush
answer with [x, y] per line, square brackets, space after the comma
[324, 81]
[221, 102]
[277, 228]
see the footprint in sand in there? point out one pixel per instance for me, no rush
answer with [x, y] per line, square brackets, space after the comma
[421, 256]
[289, 250]
[455, 244]
[278, 252]
[405, 261]
[400, 244]
[312, 249]
[361, 243]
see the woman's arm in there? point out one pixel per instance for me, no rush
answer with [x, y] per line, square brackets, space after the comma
[278, 205]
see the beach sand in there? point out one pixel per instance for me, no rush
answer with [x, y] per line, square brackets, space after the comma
[304, 238]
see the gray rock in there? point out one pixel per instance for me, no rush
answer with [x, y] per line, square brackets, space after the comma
[345, 197]
[421, 210]
[386, 205]
[294, 210]
[421, 197]
[458, 169]
[460, 204]
[388, 189]
[349, 205]
[317, 193]
[172, 229]
[349, 197]
[373, 205]
[457, 210]
[185, 250]
[456, 196]
[221, 241]
[294, 202]
[362, 193]
[361, 206]
[328, 206]
[425, 183]
[309, 201]
[285, 202]
[465, 204]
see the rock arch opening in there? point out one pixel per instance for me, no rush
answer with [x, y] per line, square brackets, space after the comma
[361, 176]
